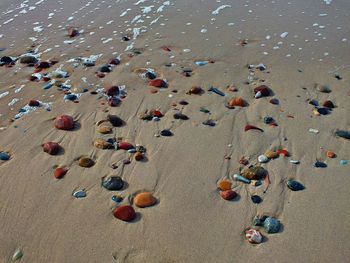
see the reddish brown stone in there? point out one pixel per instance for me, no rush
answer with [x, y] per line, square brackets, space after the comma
[236, 102]
[251, 127]
[43, 64]
[158, 83]
[60, 172]
[114, 61]
[73, 32]
[34, 103]
[112, 91]
[228, 194]
[64, 122]
[264, 90]
[125, 213]
[125, 146]
[195, 90]
[328, 104]
[51, 148]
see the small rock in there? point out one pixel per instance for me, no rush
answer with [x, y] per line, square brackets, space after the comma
[51, 148]
[113, 102]
[138, 156]
[17, 255]
[79, 194]
[112, 91]
[236, 102]
[228, 194]
[166, 133]
[268, 120]
[117, 198]
[28, 59]
[323, 88]
[125, 146]
[113, 183]
[104, 129]
[180, 116]
[183, 102]
[60, 172]
[343, 134]
[125, 213]
[115, 120]
[225, 185]
[209, 123]
[64, 122]
[144, 199]
[263, 90]
[254, 173]
[259, 220]
[274, 101]
[73, 32]
[328, 104]
[158, 83]
[195, 90]
[4, 156]
[271, 225]
[253, 236]
[102, 144]
[271, 154]
[330, 154]
[114, 61]
[294, 185]
[105, 69]
[256, 199]
[86, 162]
[319, 164]
[263, 159]
[34, 103]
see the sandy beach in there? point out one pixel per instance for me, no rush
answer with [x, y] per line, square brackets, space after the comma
[183, 101]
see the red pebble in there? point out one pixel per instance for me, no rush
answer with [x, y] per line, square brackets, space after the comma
[60, 172]
[64, 122]
[251, 127]
[73, 32]
[46, 79]
[265, 91]
[37, 70]
[112, 91]
[283, 152]
[125, 146]
[158, 83]
[100, 75]
[156, 113]
[51, 148]
[166, 49]
[228, 194]
[34, 103]
[125, 213]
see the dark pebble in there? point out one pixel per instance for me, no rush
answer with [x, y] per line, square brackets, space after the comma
[180, 116]
[150, 75]
[319, 164]
[256, 199]
[183, 102]
[323, 111]
[115, 120]
[4, 156]
[209, 123]
[166, 133]
[343, 134]
[113, 183]
[268, 120]
[294, 185]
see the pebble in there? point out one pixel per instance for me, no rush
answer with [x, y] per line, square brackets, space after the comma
[115, 120]
[195, 90]
[138, 156]
[64, 122]
[166, 133]
[51, 148]
[323, 88]
[117, 198]
[240, 178]
[4, 156]
[79, 194]
[60, 172]
[144, 199]
[256, 199]
[102, 144]
[34, 103]
[263, 159]
[294, 185]
[271, 225]
[106, 69]
[236, 102]
[183, 102]
[319, 164]
[28, 60]
[330, 154]
[86, 162]
[274, 101]
[343, 162]
[253, 236]
[113, 102]
[17, 255]
[313, 130]
[112, 91]
[225, 185]
[125, 213]
[254, 173]
[180, 116]
[343, 134]
[328, 104]
[268, 120]
[209, 123]
[103, 129]
[133, 150]
[158, 83]
[263, 91]
[113, 183]
[259, 220]
[125, 146]
[228, 194]
[271, 154]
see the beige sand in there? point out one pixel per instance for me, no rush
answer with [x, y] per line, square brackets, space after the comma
[191, 222]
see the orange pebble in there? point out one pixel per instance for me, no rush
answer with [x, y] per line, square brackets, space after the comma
[330, 154]
[225, 185]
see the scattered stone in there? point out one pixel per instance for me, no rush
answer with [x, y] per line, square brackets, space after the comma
[319, 164]
[330, 154]
[125, 213]
[105, 69]
[328, 104]
[259, 220]
[138, 156]
[283, 152]
[43, 65]
[117, 198]
[232, 103]
[225, 185]
[195, 90]
[294, 185]
[17, 255]
[113, 183]
[228, 194]
[180, 116]
[343, 134]
[114, 102]
[115, 120]
[216, 91]
[268, 120]
[323, 88]
[125, 146]
[104, 129]
[262, 91]
[210, 123]
[112, 91]
[256, 199]
[274, 101]
[253, 236]
[79, 194]
[28, 60]
[64, 122]
[102, 144]
[263, 159]
[4, 156]
[271, 225]
[271, 154]
[166, 133]
[254, 173]
[114, 61]
[144, 199]
[183, 102]
[86, 162]
[6, 60]
[51, 148]
[158, 83]
[73, 32]
[60, 172]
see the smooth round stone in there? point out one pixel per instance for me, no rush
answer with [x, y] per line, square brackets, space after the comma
[34, 103]
[138, 156]
[275, 101]
[60, 172]
[114, 61]
[105, 69]
[343, 134]
[253, 236]
[6, 60]
[79, 194]
[64, 122]
[102, 144]
[183, 102]
[271, 154]
[125, 213]
[150, 75]
[328, 104]
[86, 162]
[294, 185]
[112, 91]
[268, 120]
[330, 154]
[115, 120]
[256, 199]
[210, 123]
[113, 183]
[158, 83]
[28, 60]
[228, 194]
[272, 225]
[73, 32]
[144, 199]
[43, 64]
[166, 133]
[125, 146]
[180, 116]
[236, 102]
[71, 97]
[4, 156]
[254, 173]
[319, 164]
[195, 90]
[263, 159]
[51, 148]
[114, 102]
[323, 111]
[225, 185]
[17, 255]
[104, 129]
[117, 198]
[259, 220]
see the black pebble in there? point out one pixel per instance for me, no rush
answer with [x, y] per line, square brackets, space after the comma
[113, 183]
[166, 133]
[256, 199]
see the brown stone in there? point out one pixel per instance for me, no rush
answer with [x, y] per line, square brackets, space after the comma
[144, 199]
[225, 185]
[125, 213]
[64, 122]
[86, 162]
[51, 148]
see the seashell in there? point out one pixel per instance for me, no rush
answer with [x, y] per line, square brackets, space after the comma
[60, 172]
[240, 178]
[263, 159]
[28, 60]
[236, 102]
[330, 154]
[4, 156]
[319, 164]
[294, 161]
[138, 156]
[64, 122]
[284, 152]
[158, 83]
[112, 91]
[271, 225]
[256, 199]
[144, 199]
[73, 32]
[79, 194]
[102, 144]
[228, 194]
[115, 120]
[180, 116]
[125, 213]
[17, 255]
[253, 236]
[195, 90]
[264, 90]
[125, 146]
[51, 148]
[271, 154]
[313, 130]
[343, 134]
[322, 88]
[104, 129]
[254, 173]
[251, 127]
[225, 185]
[86, 162]
[166, 133]
[294, 185]
[328, 104]
[113, 183]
